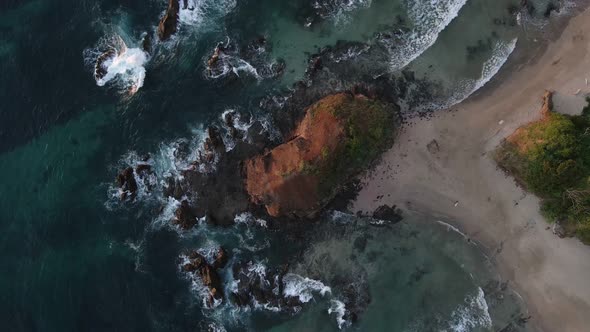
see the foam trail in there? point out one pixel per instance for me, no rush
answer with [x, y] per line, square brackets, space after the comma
[303, 288]
[197, 11]
[429, 18]
[120, 65]
[338, 308]
[474, 313]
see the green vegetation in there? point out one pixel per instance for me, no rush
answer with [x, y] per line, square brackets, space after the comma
[551, 158]
[370, 126]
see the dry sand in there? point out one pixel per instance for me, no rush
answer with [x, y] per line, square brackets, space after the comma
[459, 183]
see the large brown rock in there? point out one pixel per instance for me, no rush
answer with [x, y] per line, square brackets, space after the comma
[168, 23]
[338, 137]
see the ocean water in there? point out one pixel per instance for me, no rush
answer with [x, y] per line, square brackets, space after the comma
[73, 258]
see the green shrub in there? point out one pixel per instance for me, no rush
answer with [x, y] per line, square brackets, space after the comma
[552, 159]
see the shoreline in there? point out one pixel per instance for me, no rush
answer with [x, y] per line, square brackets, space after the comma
[443, 166]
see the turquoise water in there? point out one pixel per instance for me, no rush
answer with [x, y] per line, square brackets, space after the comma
[75, 259]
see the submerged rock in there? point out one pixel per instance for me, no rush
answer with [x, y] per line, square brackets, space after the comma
[127, 183]
[389, 213]
[339, 136]
[169, 22]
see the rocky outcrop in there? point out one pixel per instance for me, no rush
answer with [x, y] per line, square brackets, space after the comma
[261, 287]
[169, 23]
[101, 66]
[207, 273]
[127, 184]
[184, 216]
[339, 136]
[388, 213]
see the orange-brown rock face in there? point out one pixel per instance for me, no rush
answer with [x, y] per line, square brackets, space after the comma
[168, 23]
[290, 179]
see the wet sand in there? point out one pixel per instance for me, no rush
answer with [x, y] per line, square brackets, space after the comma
[443, 166]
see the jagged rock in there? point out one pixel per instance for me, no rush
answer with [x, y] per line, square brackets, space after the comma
[207, 273]
[213, 144]
[263, 288]
[547, 103]
[168, 23]
[551, 7]
[216, 54]
[389, 213]
[146, 43]
[339, 136]
[100, 68]
[220, 259]
[127, 183]
[184, 216]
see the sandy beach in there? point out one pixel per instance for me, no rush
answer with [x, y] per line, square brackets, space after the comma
[443, 166]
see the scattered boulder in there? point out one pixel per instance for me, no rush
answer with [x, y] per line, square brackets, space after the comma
[169, 23]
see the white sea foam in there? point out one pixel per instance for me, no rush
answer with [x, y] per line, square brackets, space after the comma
[302, 287]
[472, 314]
[500, 54]
[339, 309]
[198, 11]
[429, 18]
[339, 11]
[125, 67]
[249, 219]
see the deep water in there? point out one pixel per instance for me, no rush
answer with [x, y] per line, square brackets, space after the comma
[73, 258]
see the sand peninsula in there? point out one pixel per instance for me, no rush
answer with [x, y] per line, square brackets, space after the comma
[443, 167]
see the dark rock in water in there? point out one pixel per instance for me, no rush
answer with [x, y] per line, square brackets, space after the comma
[127, 183]
[143, 169]
[388, 213]
[551, 7]
[196, 261]
[212, 281]
[146, 43]
[168, 23]
[100, 68]
[207, 273]
[264, 288]
[184, 216]
[213, 144]
[220, 259]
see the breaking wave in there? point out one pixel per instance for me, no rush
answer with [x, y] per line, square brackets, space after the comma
[500, 55]
[472, 314]
[197, 11]
[115, 63]
[429, 18]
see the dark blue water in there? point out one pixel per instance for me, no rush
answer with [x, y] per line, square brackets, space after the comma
[74, 259]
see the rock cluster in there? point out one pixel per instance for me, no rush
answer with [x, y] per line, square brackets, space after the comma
[208, 274]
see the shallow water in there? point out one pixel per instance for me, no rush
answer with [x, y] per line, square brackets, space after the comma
[80, 260]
